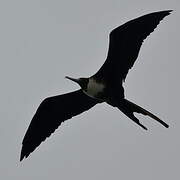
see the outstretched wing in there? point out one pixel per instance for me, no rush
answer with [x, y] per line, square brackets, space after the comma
[50, 114]
[125, 43]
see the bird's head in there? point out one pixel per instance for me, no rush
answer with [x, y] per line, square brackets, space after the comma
[83, 82]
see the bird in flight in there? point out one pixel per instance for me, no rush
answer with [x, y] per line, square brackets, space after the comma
[104, 86]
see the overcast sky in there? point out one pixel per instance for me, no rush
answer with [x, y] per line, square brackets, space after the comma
[43, 41]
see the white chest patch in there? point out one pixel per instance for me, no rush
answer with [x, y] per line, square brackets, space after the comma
[94, 87]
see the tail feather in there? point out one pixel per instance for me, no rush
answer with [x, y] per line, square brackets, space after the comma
[141, 110]
[128, 108]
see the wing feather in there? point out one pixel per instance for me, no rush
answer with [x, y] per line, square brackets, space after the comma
[50, 114]
[125, 43]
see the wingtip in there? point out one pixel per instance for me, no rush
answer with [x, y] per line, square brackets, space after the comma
[169, 11]
[24, 154]
[21, 157]
[164, 12]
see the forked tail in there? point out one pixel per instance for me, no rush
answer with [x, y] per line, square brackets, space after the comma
[128, 108]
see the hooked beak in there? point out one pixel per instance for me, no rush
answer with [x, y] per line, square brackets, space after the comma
[72, 79]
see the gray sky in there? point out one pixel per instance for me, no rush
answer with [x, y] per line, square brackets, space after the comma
[40, 43]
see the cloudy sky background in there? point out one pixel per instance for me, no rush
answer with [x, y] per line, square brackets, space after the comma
[43, 41]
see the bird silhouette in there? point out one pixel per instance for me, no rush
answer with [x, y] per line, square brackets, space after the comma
[104, 86]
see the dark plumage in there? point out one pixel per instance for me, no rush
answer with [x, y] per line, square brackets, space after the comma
[104, 86]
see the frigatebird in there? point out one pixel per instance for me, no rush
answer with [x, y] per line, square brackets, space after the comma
[104, 86]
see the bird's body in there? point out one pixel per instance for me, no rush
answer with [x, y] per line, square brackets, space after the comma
[95, 89]
[102, 90]
[104, 86]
